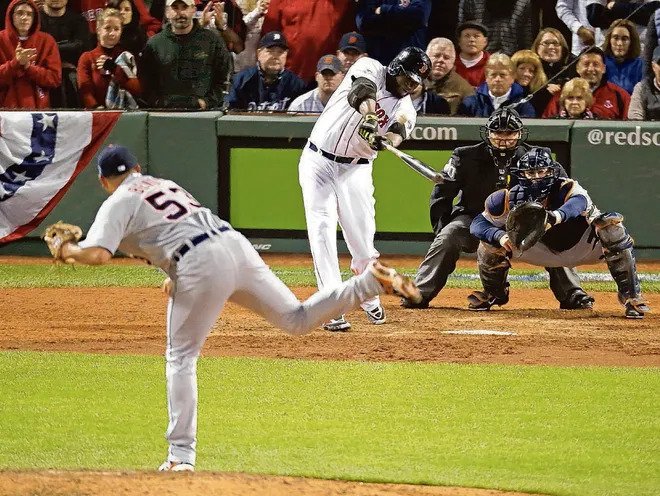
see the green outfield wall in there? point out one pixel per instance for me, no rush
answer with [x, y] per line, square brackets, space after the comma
[245, 167]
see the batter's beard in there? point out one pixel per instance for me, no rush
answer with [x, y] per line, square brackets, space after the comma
[393, 87]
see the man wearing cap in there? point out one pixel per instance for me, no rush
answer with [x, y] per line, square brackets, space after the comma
[328, 76]
[207, 263]
[444, 80]
[391, 25]
[509, 23]
[610, 101]
[645, 99]
[472, 56]
[268, 86]
[184, 66]
[351, 48]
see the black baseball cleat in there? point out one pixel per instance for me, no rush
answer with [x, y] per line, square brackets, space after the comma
[577, 300]
[480, 301]
[406, 303]
[635, 308]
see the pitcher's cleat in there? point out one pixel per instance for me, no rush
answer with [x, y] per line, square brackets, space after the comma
[176, 467]
[395, 283]
[337, 325]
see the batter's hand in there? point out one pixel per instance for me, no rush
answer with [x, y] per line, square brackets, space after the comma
[369, 128]
[378, 142]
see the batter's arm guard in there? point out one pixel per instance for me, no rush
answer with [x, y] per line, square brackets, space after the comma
[362, 89]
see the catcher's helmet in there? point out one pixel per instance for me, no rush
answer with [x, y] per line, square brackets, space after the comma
[536, 172]
[412, 62]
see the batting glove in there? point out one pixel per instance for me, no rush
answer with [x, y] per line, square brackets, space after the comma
[369, 128]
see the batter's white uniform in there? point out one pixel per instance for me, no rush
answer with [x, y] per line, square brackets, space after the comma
[209, 262]
[335, 176]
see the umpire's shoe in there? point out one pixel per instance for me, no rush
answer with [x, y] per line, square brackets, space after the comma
[480, 301]
[337, 325]
[406, 303]
[395, 283]
[577, 300]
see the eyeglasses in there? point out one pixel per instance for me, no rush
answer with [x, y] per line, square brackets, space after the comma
[550, 43]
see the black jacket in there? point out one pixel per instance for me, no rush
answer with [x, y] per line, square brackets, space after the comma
[475, 176]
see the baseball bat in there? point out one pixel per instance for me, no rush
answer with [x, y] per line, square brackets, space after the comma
[415, 164]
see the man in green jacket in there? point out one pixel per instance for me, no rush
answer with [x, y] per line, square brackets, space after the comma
[184, 66]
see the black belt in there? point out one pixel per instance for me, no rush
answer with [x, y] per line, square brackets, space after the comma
[337, 158]
[191, 243]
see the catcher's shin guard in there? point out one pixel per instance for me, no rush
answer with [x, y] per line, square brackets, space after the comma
[493, 271]
[617, 248]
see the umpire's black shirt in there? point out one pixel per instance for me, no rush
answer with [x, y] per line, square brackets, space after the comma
[473, 175]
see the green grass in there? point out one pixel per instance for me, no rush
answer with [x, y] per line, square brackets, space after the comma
[34, 275]
[561, 431]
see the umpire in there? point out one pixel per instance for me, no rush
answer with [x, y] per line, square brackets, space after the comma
[472, 173]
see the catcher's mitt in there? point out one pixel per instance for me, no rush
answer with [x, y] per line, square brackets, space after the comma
[526, 224]
[58, 234]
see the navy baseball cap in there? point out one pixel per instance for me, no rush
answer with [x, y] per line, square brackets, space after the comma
[354, 41]
[115, 160]
[273, 38]
[329, 63]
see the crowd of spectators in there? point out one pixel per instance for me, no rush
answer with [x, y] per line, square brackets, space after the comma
[577, 59]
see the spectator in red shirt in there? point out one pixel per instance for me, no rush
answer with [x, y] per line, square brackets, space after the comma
[30, 62]
[472, 57]
[609, 100]
[312, 28]
[133, 35]
[97, 68]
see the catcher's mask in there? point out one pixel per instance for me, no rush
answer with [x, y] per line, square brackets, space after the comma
[536, 172]
[414, 64]
[504, 131]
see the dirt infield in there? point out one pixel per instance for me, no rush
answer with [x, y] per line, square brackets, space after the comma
[106, 321]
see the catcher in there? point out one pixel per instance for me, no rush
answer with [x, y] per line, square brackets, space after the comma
[550, 221]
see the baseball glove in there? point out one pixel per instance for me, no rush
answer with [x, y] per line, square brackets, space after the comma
[526, 224]
[58, 234]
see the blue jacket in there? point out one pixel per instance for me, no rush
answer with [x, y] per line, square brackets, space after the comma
[250, 92]
[626, 74]
[480, 104]
[400, 24]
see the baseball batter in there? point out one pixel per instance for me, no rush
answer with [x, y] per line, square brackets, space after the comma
[577, 233]
[207, 263]
[371, 104]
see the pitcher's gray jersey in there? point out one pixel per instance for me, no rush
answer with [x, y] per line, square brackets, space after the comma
[150, 218]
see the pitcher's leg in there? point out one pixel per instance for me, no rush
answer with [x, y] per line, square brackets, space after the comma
[320, 202]
[264, 293]
[191, 315]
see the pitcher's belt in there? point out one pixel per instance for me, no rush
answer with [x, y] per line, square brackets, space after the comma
[191, 243]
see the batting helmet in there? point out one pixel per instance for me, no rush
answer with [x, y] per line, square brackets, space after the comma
[412, 62]
[536, 172]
